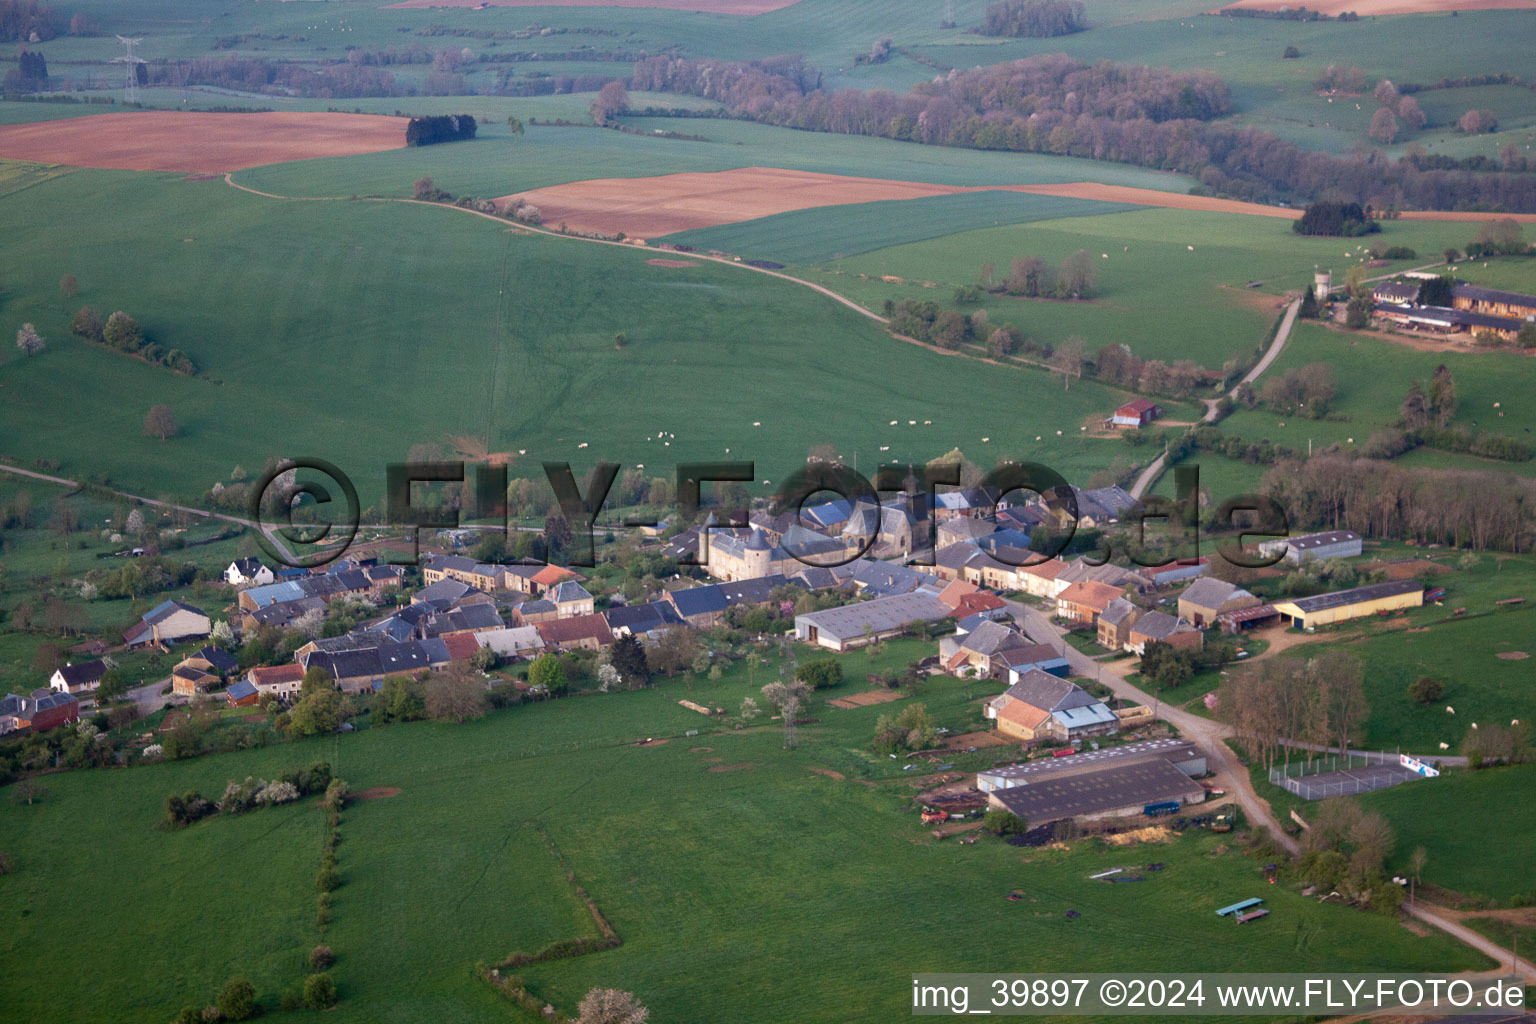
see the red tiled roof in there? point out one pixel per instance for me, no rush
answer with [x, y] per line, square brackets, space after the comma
[552, 574]
[1136, 407]
[267, 676]
[1091, 594]
[461, 646]
[578, 627]
[1020, 713]
[970, 604]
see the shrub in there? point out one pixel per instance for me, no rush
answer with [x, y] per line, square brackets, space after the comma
[321, 957]
[319, 991]
[237, 999]
[1426, 690]
[821, 674]
[1003, 823]
[327, 880]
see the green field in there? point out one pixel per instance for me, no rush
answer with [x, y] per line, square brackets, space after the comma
[1436, 813]
[1373, 376]
[1193, 269]
[498, 163]
[714, 880]
[356, 330]
[830, 233]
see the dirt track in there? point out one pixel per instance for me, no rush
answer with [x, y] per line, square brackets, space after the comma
[169, 140]
[706, 6]
[1371, 7]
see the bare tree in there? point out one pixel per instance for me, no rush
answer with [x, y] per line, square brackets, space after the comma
[455, 694]
[1416, 861]
[29, 791]
[1078, 274]
[1340, 681]
[160, 422]
[68, 286]
[1374, 839]
[1068, 359]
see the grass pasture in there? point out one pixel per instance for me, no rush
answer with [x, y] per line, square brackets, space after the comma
[1438, 814]
[714, 879]
[1373, 376]
[467, 328]
[825, 234]
[1192, 268]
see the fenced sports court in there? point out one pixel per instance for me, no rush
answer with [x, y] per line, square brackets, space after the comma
[1333, 775]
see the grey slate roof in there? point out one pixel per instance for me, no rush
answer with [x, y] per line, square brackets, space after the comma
[1210, 592]
[1049, 693]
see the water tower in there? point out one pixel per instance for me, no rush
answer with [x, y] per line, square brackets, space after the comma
[1322, 284]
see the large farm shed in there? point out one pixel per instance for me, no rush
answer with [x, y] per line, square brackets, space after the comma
[854, 625]
[1343, 605]
[1105, 788]
[1315, 547]
[1182, 754]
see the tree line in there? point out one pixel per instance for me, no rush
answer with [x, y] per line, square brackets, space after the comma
[427, 131]
[1059, 105]
[1476, 509]
[1033, 19]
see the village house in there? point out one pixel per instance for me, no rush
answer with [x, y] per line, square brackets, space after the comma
[642, 619]
[189, 680]
[447, 592]
[469, 618]
[327, 587]
[214, 660]
[547, 577]
[1115, 623]
[45, 709]
[247, 572]
[1208, 597]
[169, 622]
[587, 632]
[531, 613]
[1083, 602]
[976, 653]
[570, 599]
[81, 678]
[1041, 579]
[480, 575]
[751, 554]
[1164, 627]
[281, 681]
[513, 643]
[1041, 706]
[1034, 657]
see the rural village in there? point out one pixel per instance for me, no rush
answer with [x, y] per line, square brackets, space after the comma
[608, 511]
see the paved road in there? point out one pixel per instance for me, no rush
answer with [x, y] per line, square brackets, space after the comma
[1155, 468]
[149, 699]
